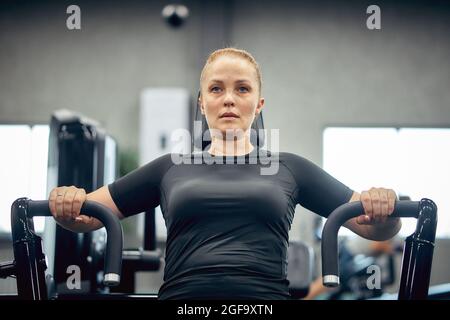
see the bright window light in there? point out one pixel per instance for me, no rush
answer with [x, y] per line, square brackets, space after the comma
[412, 161]
[23, 168]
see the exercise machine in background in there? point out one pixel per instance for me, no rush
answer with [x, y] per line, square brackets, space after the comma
[82, 154]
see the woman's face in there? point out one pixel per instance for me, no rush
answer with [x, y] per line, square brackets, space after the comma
[230, 97]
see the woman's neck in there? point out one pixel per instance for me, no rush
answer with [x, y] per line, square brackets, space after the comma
[230, 148]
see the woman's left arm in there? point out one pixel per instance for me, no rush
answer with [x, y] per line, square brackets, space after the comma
[373, 223]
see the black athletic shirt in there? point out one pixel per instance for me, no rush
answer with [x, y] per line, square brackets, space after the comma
[227, 221]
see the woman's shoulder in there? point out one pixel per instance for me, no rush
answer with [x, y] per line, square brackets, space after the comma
[294, 161]
[161, 163]
[283, 155]
[172, 157]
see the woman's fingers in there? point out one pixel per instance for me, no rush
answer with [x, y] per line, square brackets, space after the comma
[52, 203]
[65, 202]
[392, 197]
[78, 200]
[59, 202]
[68, 203]
[84, 219]
[384, 204]
[378, 204]
[363, 219]
[366, 201]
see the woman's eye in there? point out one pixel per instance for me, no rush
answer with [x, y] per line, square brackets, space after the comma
[243, 89]
[215, 89]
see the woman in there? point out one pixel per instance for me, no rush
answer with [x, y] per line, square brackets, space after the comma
[227, 223]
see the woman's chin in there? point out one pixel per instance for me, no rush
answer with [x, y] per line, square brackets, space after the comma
[231, 130]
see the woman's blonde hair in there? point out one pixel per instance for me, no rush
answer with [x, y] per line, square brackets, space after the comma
[235, 53]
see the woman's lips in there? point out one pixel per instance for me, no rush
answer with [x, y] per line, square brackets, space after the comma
[228, 118]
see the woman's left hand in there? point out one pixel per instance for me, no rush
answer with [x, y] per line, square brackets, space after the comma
[378, 204]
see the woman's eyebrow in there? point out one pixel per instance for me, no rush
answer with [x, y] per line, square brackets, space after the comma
[216, 81]
[243, 80]
[237, 81]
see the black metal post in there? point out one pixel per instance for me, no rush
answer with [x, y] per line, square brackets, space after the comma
[29, 257]
[418, 254]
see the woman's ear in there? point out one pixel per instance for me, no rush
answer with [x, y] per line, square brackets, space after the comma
[259, 106]
[200, 105]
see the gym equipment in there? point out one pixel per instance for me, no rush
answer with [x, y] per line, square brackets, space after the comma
[353, 274]
[417, 253]
[80, 154]
[300, 268]
[354, 266]
[30, 262]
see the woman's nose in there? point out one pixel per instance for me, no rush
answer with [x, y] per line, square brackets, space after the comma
[229, 99]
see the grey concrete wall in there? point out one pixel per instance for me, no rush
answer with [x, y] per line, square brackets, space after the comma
[98, 70]
[321, 66]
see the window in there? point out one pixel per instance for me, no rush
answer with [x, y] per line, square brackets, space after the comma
[23, 168]
[412, 161]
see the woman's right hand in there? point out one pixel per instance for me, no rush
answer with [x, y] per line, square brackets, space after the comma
[65, 204]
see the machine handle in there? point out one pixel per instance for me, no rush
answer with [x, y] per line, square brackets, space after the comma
[113, 253]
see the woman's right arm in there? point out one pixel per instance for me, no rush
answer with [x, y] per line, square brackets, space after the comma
[65, 204]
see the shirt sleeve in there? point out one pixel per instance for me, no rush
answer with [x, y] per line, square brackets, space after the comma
[317, 190]
[139, 190]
